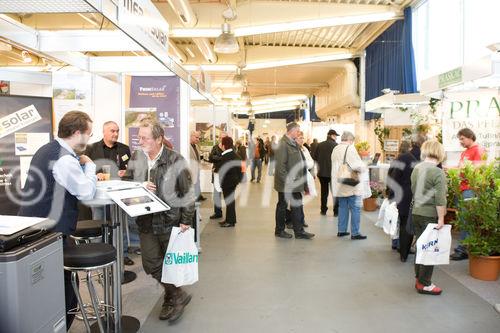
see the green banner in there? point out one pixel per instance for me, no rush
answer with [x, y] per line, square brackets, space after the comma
[450, 77]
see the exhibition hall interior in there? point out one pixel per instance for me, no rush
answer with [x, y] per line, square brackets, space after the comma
[249, 166]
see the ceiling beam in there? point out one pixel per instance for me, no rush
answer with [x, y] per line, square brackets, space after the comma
[275, 17]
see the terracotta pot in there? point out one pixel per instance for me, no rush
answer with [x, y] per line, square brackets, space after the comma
[364, 153]
[484, 268]
[370, 204]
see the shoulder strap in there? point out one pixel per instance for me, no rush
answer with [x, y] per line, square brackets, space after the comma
[345, 154]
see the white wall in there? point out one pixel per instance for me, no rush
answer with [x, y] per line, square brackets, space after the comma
[106, 105]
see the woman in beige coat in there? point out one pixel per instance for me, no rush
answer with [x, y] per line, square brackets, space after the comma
[349, 196]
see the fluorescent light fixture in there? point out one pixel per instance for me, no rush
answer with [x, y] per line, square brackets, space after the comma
[314, 24]
[226, 43]
[290, 26]
[5, 47]
[175, 53]
[298, 61]
[206, 50]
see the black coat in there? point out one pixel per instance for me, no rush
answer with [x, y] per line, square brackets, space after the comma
[399, 179]
[230, 174]
[215, 157]
[121, 159]
[323, 156]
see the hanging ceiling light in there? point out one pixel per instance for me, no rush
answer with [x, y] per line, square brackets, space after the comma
[226, 42]
[239, 78]
[245, 95]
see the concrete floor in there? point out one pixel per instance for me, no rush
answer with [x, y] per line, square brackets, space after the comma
[251, 281]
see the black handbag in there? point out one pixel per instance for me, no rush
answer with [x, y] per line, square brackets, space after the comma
[347, 176]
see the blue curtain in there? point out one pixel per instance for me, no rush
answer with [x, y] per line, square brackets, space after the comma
[390, 62]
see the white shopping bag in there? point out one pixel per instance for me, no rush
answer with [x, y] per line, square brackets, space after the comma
[217, 185]
[364, 178]
[180, 265]
[311, 185]
[433, 246]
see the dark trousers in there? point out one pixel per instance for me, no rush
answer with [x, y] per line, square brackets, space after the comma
[295, 200]
[325, 190]
[217, 203]
[405, 239]
[423, 272]
[229, 199]
[153, 248]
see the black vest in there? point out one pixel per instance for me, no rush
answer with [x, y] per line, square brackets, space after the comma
[43, 196]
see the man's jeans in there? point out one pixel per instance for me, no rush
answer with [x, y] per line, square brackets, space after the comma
[350, 205]
[257, 163]
[467, 194]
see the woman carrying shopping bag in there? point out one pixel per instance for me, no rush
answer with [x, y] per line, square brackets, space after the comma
[428, 185]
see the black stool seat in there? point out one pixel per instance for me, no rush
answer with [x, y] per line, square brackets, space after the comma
[88, 228]
[88, 255]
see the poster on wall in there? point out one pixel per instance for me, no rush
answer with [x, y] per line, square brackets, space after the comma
[25, 126]
[152, 96]
[477, 110]
[72, 92]
[207, 139]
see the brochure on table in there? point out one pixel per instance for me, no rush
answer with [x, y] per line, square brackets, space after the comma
[10, 224]
[132, 197]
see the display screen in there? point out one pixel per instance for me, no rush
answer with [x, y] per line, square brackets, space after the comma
[136, 200]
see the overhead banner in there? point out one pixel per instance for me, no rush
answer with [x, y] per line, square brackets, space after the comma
[478, 110]
[154, 97]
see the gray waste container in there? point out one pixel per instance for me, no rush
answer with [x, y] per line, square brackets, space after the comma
[32, 287]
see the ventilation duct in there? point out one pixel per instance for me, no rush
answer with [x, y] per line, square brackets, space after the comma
[205, 48]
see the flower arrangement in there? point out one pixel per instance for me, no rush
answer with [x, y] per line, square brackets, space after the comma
[378, 189]
[363, 148]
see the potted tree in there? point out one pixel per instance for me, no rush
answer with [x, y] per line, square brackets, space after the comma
[480, 217]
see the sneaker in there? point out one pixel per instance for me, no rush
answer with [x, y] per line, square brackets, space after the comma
[358, 237]
[283, 234]
[179, 304]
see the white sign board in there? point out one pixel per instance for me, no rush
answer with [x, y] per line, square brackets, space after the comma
[391, 145]
[18, 120]
[137, 201]
[142, 21]
[478, 110]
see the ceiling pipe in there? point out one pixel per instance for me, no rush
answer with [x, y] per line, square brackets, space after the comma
[206, 49]
[184, 11]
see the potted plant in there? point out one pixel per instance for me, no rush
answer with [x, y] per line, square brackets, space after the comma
[370, 204]
[480, 217]
[363, 148]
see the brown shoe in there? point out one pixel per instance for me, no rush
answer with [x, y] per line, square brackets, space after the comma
[180, 301]
[166, 311]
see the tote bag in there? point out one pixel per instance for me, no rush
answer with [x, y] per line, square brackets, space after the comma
[180, 264]
[347, 176]
[433, 246]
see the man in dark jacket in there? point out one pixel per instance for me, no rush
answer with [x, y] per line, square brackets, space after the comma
[215, 158]
[109, 151]
[399, 189]
[323, 156]
[116, 156]
[166, 173]
[290, 181]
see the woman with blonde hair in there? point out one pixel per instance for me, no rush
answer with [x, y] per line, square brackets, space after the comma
[428, 185]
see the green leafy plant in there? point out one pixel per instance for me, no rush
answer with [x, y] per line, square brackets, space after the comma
[382, 133]
[479, 216]
[433, 104]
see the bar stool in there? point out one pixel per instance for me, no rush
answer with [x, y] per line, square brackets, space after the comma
[88, 231]
[88, 258]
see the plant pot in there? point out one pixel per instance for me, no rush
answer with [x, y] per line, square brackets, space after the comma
[370, 204]
[484, 268]
[364, 154]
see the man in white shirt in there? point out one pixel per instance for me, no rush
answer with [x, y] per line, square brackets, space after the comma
[57, 179]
